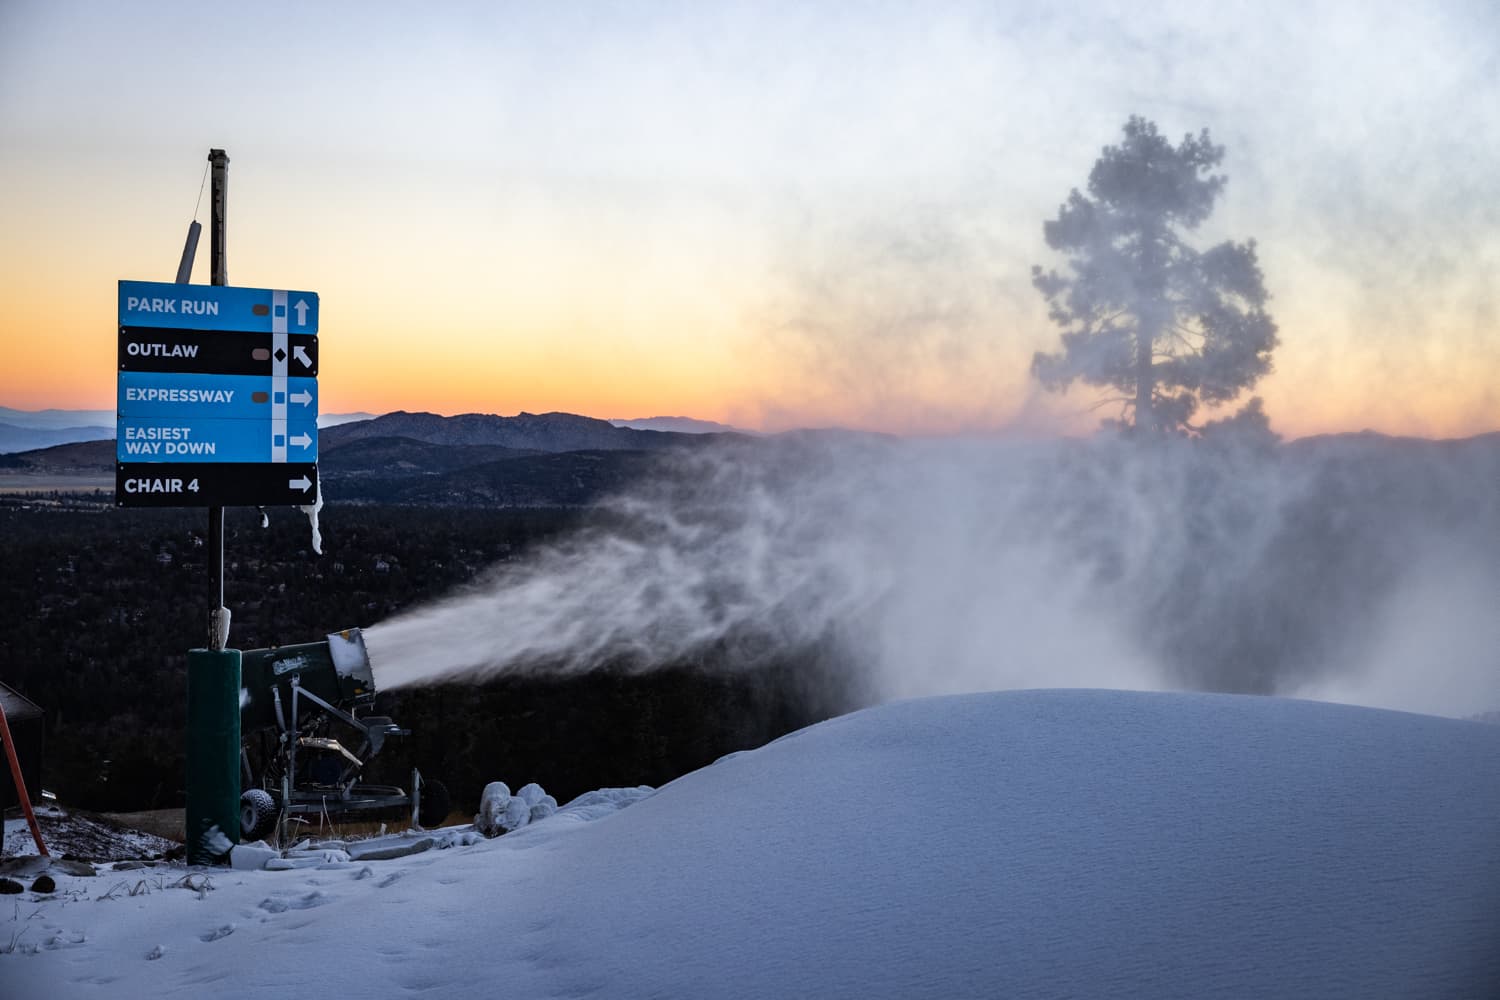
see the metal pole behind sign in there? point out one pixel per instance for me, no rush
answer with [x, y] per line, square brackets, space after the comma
[218, 615]
[213, 732]
[189, 253]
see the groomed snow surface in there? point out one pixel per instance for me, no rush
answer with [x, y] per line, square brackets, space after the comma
[1022, 844]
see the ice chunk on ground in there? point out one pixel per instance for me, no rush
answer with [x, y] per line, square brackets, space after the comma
[250, 857]
[492, 803]
[385, 848]
[322, 854]
[517, 814]
[500, 812]
[291, 864]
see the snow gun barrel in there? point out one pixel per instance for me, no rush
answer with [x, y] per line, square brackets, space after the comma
[336, 670]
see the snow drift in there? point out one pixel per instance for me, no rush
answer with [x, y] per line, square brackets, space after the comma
[1022, 844]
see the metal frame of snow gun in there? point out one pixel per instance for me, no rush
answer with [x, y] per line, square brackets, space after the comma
[299, 693]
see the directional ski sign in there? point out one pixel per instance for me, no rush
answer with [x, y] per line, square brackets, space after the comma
[217, 307]
[217, 396]
[151, 439]
[223, 352]
[215, 484]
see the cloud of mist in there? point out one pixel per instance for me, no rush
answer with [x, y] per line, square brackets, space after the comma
[964, 565]
[1434, 645]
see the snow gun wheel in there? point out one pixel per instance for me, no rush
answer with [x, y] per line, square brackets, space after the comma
[434, 805]
[257, 814]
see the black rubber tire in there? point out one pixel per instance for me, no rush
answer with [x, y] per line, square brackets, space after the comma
[257, 814]
[435, 803]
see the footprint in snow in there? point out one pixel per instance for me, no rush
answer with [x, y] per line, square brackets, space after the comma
[307, 902]
[216, 933]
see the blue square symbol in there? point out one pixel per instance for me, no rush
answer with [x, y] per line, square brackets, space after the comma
[278, 440]
[278, 397]
[281, 310]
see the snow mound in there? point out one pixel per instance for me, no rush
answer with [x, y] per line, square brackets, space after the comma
[501, 812]
[1023, 844]
[602, 802]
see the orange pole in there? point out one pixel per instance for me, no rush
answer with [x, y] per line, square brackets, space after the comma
[15, 774]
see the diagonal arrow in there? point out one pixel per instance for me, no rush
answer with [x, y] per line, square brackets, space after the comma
[304, 484]
[304, 397]
[301, 440]
[300, 354]
[301, 308]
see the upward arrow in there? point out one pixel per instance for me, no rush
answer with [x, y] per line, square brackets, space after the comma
[301, 308]
[300, 353]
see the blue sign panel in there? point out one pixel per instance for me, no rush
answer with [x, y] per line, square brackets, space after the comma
[163, 305]
[181, 396]
[159, 439]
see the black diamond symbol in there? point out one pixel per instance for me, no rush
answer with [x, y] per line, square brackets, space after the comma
[280, 354]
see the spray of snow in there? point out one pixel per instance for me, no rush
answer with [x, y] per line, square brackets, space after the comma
[1434, 642]
[891, 549]
[942, 567]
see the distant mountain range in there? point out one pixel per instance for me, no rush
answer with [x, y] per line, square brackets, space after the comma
[681, 425]
[526, 431]
[52, 420]
[562, 459]
[63, 459]
[29, 430]
[529, 460]
[14, 438]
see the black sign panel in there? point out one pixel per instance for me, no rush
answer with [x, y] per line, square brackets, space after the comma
[213, 352]
[215, 484]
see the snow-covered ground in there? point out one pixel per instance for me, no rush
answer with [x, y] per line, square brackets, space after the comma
[1022, 844]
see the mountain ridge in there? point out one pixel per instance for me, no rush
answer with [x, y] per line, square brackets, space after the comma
[561, 459]
[547, 432]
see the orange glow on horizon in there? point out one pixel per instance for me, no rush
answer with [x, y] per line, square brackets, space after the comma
[609, 326]
[713, 213]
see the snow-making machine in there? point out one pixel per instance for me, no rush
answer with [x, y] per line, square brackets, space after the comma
[304, 742]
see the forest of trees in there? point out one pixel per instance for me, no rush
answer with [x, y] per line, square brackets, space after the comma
[99, 607]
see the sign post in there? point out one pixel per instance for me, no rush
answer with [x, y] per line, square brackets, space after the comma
[217, 406]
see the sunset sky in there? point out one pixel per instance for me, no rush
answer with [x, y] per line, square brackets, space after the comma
[767, 214]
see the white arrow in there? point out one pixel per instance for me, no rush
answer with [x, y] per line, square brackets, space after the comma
[301, 355]
[301, 308]
[301, 440]
[304, 484]
[304, 397]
